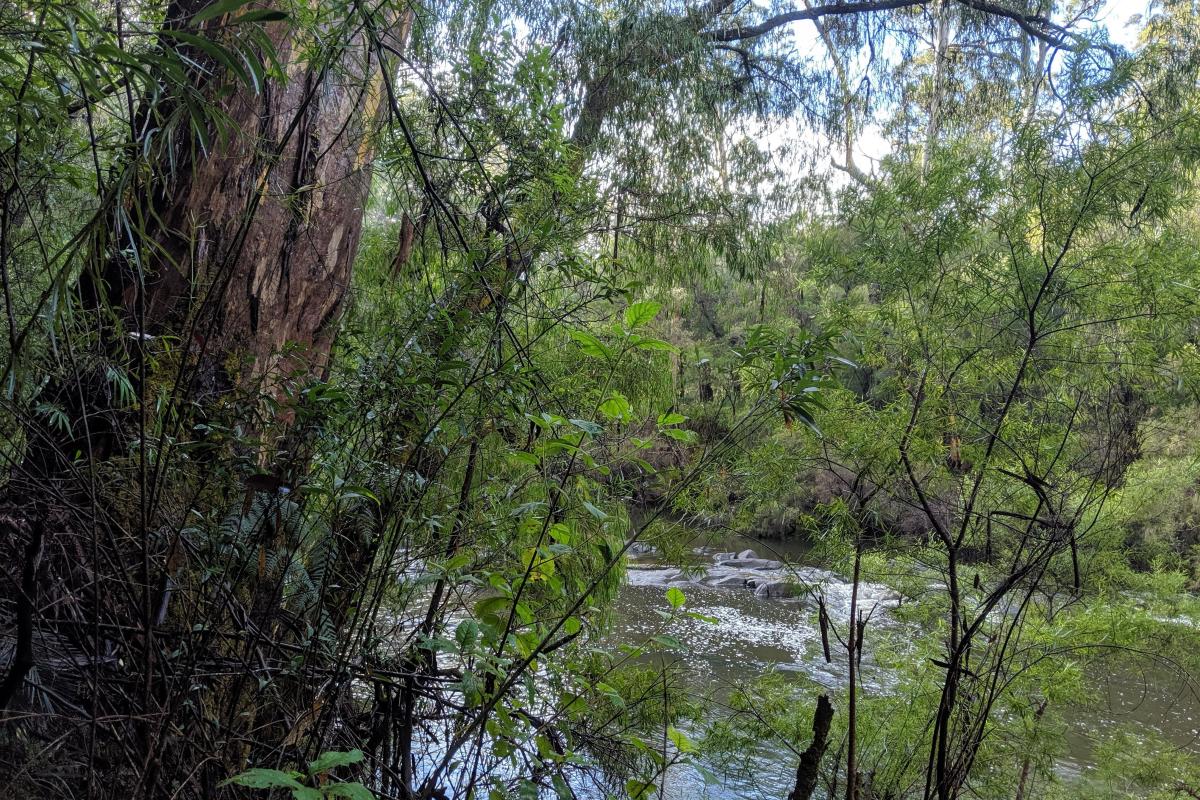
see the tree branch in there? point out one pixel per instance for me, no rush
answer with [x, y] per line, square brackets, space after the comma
[739, 32]
[807, 771]
[1034, 25]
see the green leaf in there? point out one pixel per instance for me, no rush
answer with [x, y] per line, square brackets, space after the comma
[678, 434]
[559, 445]
[353, 791]
[638, 790]
[669, 642]
[641, 312]
[259, 778]
[348, 492]
[680, 740]
[646, 343]
[262, 15]
[561, 532]
[217, 9]
[595, 512]
[612, 694]
[521, 457]
[587, 426]
[671, 418]
[676, 597]
[590, 345]
[334, 758]
[492, 607]
[617, 407]
[466, 633]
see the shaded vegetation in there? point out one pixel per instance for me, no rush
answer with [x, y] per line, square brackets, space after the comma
[353, 351]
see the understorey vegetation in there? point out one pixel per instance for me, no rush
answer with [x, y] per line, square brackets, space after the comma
[385, 388]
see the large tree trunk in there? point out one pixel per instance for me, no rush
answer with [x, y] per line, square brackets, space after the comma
[240, 243]
[249, 249]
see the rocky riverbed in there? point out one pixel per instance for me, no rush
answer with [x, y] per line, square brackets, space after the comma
[764, 599]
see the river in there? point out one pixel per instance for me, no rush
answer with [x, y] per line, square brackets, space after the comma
[752, 634]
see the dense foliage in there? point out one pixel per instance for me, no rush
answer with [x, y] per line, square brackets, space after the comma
[356, 352]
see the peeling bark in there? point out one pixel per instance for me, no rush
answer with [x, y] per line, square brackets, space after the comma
[250, 246]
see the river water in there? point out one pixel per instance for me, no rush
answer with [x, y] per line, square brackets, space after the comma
[754, 633]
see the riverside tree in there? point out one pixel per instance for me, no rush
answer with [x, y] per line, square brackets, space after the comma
[340, 339]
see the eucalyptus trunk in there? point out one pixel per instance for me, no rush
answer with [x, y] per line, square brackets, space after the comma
[234, 242]
[246, 248]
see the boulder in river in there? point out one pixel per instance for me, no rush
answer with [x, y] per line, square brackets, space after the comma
[639, 549]
[774, 589]
[752, 563]
[747, 554]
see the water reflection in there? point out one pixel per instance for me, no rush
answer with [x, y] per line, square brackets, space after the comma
[753, 633]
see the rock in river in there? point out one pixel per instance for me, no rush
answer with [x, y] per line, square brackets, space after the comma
[776, 589]
[752, 563]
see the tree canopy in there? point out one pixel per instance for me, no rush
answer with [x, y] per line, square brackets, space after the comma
[385, 384]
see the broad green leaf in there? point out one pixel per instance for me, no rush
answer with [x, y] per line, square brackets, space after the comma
[466, 633]
[680, 435]
[262, 15]
[641, 312]
[647, 343]
[639, 790]
[612, 694]
[617, 407]
[259, 778]
[217, 9]
[587, 426]
[590, 344]
[334, 758]
[594, 511]
[676, 597]
[352, 791]
[492, 607]
[680, 740]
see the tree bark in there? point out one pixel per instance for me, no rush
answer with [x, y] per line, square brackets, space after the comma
[250, 245]
[236, 244]
[808, 770]
[852, 646]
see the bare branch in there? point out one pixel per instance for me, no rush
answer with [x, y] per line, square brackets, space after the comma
[1035, 25]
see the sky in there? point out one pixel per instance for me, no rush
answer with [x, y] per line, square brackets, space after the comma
[1116, 16]
[1120, 17]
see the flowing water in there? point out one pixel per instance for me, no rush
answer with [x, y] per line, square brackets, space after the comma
[754, 633]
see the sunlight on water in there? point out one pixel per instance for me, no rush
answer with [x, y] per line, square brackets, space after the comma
[753, 633]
